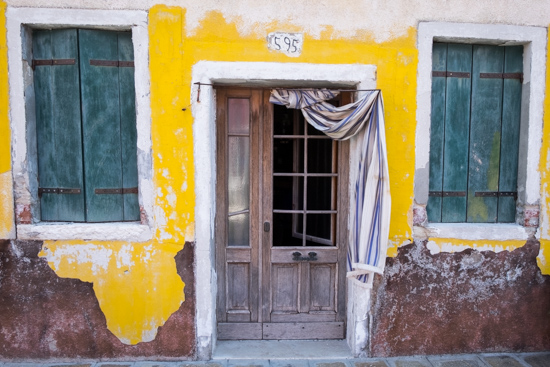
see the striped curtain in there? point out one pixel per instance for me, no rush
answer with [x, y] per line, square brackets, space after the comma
[372, 202]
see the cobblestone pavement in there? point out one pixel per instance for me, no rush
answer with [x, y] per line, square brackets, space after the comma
[466, 360]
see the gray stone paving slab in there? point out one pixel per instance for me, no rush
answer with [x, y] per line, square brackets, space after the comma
[538, 360]
[247, 363]
[456, 361]
[328, 364]
[155, 364]
[203, 364]
[369, 363]
[289, 363]
[410, 362]
[22, 364]
[502, 361]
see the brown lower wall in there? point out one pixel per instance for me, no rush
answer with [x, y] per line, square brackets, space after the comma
[463, 302]
[43, 316]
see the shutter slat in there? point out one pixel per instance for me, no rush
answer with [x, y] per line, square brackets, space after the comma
[128, 127]
[455, 162]
[485, 133]
[58, 125]
[436, 131]
[101, 125]
[511, 110]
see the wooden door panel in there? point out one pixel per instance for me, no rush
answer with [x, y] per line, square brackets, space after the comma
[285, 287]
[303, 330]
[322, 287]
[238, 305]
[239, 331]
[314, 316]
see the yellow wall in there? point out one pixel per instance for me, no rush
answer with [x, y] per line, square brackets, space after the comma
[136, 283]
[543, 259]
[6, 191]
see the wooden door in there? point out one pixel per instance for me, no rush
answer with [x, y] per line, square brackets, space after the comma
[282, 194]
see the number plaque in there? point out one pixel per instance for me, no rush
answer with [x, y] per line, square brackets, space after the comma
[288, 43]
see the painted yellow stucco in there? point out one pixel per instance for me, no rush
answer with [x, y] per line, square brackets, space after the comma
[543, 259]
[136, 284]
[7, 228]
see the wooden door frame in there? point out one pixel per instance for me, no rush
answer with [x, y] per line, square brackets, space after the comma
[256, 74]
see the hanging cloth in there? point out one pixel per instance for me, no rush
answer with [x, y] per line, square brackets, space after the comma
[370, 217]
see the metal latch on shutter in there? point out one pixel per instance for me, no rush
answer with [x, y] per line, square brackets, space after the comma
[130, 190]
[51, 62]
[116, 63]
[502, 76]
[56, 190]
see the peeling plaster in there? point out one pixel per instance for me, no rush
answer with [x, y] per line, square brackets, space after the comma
[137, 285]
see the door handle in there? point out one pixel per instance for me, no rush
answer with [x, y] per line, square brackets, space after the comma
[297, 256]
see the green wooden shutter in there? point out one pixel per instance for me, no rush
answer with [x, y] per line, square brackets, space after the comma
[436, 132]
[108, 121]
[511, 117]
[485, 133]
[58, 125]
[128, 127]
[457, 116]
[476, 100]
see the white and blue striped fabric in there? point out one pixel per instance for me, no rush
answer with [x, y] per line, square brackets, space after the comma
[370, 219]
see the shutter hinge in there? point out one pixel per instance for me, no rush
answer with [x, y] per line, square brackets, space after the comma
[51, 62]
[513, 194]
[451, 74]
[116, 63]
[447, 193]
[56, 190]
[502, 76]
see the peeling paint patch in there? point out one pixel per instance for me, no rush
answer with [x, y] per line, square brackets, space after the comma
[137, 285]
[543, 258]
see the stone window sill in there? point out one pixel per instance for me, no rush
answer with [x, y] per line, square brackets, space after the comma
[130, 232]
[474, 231]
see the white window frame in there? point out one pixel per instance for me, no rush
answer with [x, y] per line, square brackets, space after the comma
[20, 22]
[534, 41]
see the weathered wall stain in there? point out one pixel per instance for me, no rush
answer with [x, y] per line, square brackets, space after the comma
[463, 302]
[48, 317]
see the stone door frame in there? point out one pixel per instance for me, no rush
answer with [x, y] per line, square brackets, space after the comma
[257, 74]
